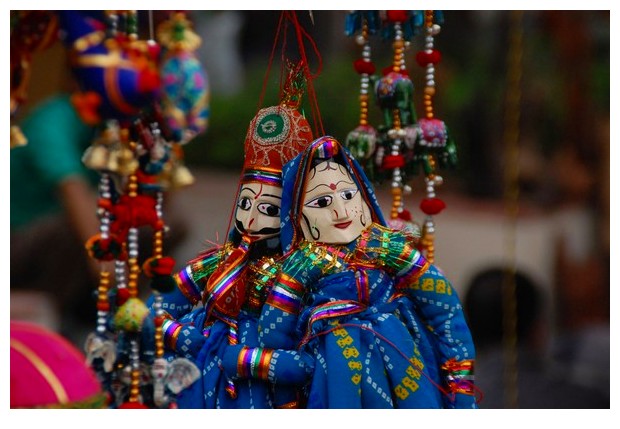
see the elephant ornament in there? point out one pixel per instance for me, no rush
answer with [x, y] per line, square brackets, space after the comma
[101, 356]
[434, 144]
[394, 92]
[362, 143]
[171, 377]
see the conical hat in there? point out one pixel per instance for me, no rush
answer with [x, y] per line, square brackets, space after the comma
[275, 136]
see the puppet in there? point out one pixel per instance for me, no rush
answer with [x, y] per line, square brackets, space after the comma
[382, 327]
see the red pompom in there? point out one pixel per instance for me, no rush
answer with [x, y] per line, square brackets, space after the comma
[122, 295]
[396, 15]
[362, 66]
[105, 249]
[424, 58]
[405, 215]
[162, 266]
[393, 161]
[432, 206]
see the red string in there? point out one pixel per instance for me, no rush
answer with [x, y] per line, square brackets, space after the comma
[301, 36]
[314, 107]
[283, 59]
[273, 51]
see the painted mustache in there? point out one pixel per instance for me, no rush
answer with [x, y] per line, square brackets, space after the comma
[263, 231]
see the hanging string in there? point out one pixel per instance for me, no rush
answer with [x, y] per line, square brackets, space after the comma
[151, 30]
[283, 61]
[511, 205]
[314, 106]
[302, 36]
[273, 52]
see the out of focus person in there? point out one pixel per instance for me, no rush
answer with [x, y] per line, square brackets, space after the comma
[53, 211]
[539, 384]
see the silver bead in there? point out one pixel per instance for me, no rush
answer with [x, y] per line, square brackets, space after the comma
[407, 189]
[435, 29]
[360, 40]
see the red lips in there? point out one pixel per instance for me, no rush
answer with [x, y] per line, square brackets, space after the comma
[343, 225]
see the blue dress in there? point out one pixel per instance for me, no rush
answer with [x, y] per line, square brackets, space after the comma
[190, 333]
[354, 311]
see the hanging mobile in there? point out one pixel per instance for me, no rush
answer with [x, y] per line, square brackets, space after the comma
[434, 148]
[362, 141]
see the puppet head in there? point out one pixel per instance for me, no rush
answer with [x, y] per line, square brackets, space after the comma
[326, 196]
[275, 136]
[333, 210]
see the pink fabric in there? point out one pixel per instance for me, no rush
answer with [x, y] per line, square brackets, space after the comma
[74, 381]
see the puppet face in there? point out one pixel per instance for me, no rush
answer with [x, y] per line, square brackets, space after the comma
[333, 209]
[258, 210]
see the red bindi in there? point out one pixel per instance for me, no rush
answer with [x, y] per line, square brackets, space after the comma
[332, 186]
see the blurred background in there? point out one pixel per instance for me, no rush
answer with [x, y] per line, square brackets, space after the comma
[559, 241]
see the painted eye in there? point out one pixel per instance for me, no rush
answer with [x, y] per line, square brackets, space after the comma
[269, 209]
[348, 194]
[320, 202]
[244, 203]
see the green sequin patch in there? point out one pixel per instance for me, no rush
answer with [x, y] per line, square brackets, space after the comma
[272, 126]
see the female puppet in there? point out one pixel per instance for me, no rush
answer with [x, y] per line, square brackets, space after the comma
[228, 285]
[384, 327]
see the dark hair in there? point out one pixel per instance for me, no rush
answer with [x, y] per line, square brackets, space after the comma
[484, 306]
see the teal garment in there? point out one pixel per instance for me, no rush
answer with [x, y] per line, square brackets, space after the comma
[57, 138]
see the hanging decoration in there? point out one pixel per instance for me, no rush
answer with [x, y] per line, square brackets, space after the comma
[362, 141]
[434, 147]
[116, 72]
[32, 31]
[183, 98]
[402, 145]
[138, 159]
[184, 94]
